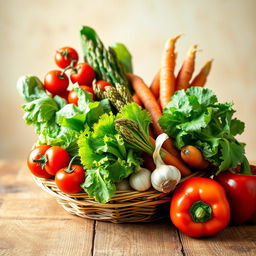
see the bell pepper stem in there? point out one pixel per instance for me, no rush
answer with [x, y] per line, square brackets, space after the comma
[200, 211]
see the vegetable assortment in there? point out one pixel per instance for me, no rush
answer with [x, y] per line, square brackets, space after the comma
[102, 129]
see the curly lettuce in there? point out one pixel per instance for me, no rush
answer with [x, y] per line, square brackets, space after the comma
[194, 117]
[106, 158]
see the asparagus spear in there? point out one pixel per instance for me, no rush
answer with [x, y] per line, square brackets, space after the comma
[107, 67]
[134, 135]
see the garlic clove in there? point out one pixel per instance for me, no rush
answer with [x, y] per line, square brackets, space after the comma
[123, 185]
[165, 178]
[141, 180]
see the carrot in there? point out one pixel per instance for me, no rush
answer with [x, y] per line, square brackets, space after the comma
[187, 69]
[148, 100]
[201, 78]
[151, 105]
[193, 157]
[169, 159]
[150, 131]
[167, 78]
[148, 162]
[155, 86]
[137, 100]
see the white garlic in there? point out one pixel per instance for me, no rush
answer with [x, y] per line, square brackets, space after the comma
[141, 180]
[165, 177]
[123, 185]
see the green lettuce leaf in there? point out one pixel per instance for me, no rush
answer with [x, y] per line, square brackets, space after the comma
[31, 88]
[103, 151]
[98, 185]
[232, 154]
[40, 110]
[61, 102]
[194, 117]
[85, 114]
[134, 112]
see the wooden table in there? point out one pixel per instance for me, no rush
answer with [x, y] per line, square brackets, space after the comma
[32, 223]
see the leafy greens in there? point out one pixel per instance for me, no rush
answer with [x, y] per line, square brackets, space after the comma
[106, 157]
[194, 117]
[56, 122]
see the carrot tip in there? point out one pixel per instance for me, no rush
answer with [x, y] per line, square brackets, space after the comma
[172, 41]
[193, 49]
[207, 67]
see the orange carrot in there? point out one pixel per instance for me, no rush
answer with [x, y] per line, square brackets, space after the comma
[193, 157]
[148, 162]
[151, 105]
[187, 69]
[148, 100]
[201, 78]
[155, 86]
[169, 159]
[150, 131]
[167, 78]
[137, 100]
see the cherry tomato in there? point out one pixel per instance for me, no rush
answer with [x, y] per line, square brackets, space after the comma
[83, 73]
[64, 56]
[57, 157]
[102, 84]
[36, 167]
[72, 97]
[64, 95]
[55, 82]
[69, 180]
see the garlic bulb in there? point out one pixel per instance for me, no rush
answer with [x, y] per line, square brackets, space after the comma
[141, 180]
[123, 185]
[165, 177]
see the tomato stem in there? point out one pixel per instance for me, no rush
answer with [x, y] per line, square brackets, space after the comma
[70, 170]
[65, 54]
[42, 160]
[71, 66]
[200, 211]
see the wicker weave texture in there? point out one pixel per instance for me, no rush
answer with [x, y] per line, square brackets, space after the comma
[125, 206]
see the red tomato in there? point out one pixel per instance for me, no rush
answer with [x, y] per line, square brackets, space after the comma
[83, 73]
[36, 167]
[64, 56]
[102, 84]
[64, 95]
[55, 82]
[72, 97]
[57, 157]
[69, 181]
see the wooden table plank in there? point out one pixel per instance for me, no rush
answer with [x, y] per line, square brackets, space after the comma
[45, 237]
[240, 240]
[158, 238]
[21, 197]
[33, 223]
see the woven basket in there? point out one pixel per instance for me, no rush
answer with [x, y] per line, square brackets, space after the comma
[125, 206]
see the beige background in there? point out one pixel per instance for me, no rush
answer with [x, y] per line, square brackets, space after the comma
[31, 30]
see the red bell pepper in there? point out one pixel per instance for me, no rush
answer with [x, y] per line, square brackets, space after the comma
[199, 207]
[241, 194]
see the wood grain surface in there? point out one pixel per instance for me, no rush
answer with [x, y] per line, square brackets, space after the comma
[32, 223]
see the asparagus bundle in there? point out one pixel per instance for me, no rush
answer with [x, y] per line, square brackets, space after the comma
[107, 68]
